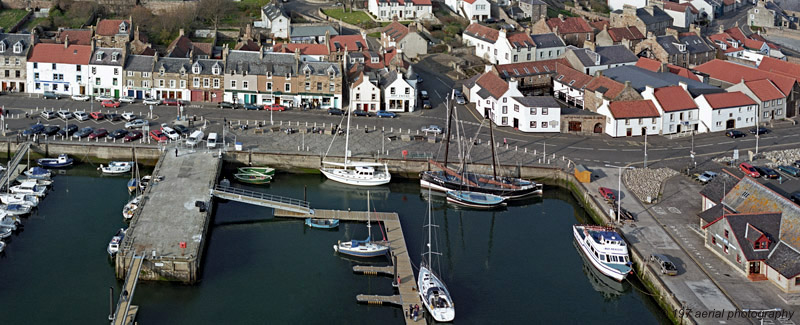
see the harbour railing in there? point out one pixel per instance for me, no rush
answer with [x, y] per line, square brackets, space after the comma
[260, 198]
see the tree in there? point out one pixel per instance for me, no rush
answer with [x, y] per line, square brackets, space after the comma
[214, 10]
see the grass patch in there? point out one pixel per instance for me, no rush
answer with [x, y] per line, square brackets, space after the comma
[10, 17]
[386, 23]
[375, 34]
[31, 23]
[354, 18]
[551, 13]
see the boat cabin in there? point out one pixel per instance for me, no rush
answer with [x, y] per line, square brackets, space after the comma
[365, 171]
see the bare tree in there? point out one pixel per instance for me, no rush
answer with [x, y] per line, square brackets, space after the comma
[214, 10]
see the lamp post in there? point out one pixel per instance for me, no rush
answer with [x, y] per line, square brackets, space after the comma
[645, 149]
[757, 131]
[619, 186]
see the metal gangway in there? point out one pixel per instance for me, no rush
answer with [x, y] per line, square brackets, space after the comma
[125, 312]
[262, 199]
[11, 170]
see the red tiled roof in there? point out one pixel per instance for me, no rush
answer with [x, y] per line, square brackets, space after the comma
[681, 7]
[683, 72]
[622, 33]
[726, 100]
[613, 88]
[728, 2]
[522, 69]
[566, 75]
[633, 109]
[469, 1]
[674, 98]
[758, 37]
[421, 2]
[523, 39]
[492, 83]
[736, 33]
[753, 44]
[56, 53]
[396, 30]
[764, 89]
[349, 41]
[482, 32]
[76, 36]
[389, 55]
[569, 25]
[600, 24]
[179, 48]
[305, 49]
[779, 66]
[734, 73]
[247, 45]
[648, 64]
[110, 27]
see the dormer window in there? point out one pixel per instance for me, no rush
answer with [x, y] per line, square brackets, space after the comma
[215, 69]
[375, 59]
[2, 46]
[123, 27]
[269, 75]
[161, 70]
[18, 47]
[196, 68]
[114, 56]
[99, 56]
[288, 76]
[183, 71]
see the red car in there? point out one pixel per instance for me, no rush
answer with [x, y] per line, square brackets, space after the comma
[132, 136]
[171, 102]
[97, 116]
[110, 104]
[98, 133]
[158, 135]
[749, 170]
[275, 107]
[607, 194]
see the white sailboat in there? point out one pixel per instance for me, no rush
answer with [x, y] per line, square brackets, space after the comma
[363, 248]
[117, 167]
[355, 173]
[432, 289]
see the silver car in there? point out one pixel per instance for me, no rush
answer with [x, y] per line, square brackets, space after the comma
[126, 99]
[81, 116]
[136, 124]
[150, 101]
[435, 129]
[65, 115]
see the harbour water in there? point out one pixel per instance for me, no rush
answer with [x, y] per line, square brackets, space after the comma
[517, 265]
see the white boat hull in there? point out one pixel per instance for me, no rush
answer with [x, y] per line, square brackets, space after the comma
[598, 265]
[343, 176]
[444, 311]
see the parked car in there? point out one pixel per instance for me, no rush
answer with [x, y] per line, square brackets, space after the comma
[795, 197]
[65, 115]
[607, 194]
[767, 172]
[127, 99]
[171, 102]
[734, 134]
[110, 104]
[426, 103]
[82, 133]
[460, 100]
[151, 101]
[181, 129]
[335, 111]
[48, 115]
[81, 116]
[275, 107]
[706, 176]
[435, 129]
[224, 105]
[129, 116]
[103, 98]
[117, 134]
[789, 170]
[361, 112]
[664, 264]
[158, 135]
[424, 94]
[749, 170]
[760, 130]
[170, 132]
[796, 163]
[386, 114]
[34, 129]
[132, 136]
[97, 116]
[69, 130]
[80, 98]
[50, 95]
[50, 130]
[136, 124]
[252, 107]
[99, 133]
[113, 117]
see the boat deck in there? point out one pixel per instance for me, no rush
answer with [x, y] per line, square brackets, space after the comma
[394, 235]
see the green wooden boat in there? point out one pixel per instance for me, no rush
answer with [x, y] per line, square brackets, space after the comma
[259, 170]
[253, 178]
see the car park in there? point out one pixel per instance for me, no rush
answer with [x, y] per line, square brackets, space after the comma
[734, 134]
[335, 111]
[81, 116]
[607, 193]
[767, 172]
[48, 115]
[793, 171]
[129, 116]
[82, 133]
[126, 99]
[65, 115]
[386, 114]
[275, 107]
[195, 138]
[759, 130]
[50, 95]
[170, 133]
[224, 105]
[426, 103]
[749, 170]
[136, 124]
[361, 112]
[252, 107]
[424, 94]
[181, 129]
[103, 98]
[97, 116]
[50, 130]
[110, 104]
[80, 98]
[117, 134]
[435, 129]
[151, 101]
[663, 264]
[69, 130]
[132, 136]
[158, 135]
[706, 176]
[99, 133]
[34, 129]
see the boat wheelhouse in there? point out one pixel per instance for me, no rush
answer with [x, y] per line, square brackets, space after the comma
[605, 249]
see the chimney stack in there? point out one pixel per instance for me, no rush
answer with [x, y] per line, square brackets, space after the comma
[180, 32]
[66, 41]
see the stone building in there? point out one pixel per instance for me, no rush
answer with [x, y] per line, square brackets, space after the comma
[664, 49]
[650, 19]
[629, 36]
[579, 121]
[404, 38]
[603, 89]
[14, 51]
[533, 9]
[113, 33]
[138, 78]
[760, 15]
[573, 30]
[171, 78]
[533, 78]
[207, 80]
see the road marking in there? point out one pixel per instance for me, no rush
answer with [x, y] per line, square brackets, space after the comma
[704, 145]
[764, 138]
[631, 149]
[595, 160]
[603, 149]
[437, 94]
[659, 149]
[606, 161]
[442, 81]
[788, 135]
[726, 142]
[579, 148]
[674, 210]
[659, 210]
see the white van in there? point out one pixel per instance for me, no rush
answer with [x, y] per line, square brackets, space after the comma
[211, 141]
[195, 138]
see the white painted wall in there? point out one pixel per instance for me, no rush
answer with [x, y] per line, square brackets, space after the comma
[714, 120]
[47, 82]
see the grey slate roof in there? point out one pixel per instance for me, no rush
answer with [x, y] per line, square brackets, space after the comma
[711, 214]
[250, 62]
[640, 78]
[537, 101]
[614, 54]
[309, 31]
[106, 56]
[695, 44]
[471, 81]
[141, 63]
[172, 65]
[785, 260]
[547, 40]
[483, 93]
[272, 11]
[667, 43]
[742, 225]
[534, 2]
[389, 78]
[206, 65]
[11, 39]
[658, 16]
[791, 5]
[320, 68]
[716, 189]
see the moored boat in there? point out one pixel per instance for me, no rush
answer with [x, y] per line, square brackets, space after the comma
[144, 182]
[2, 246]
[24, 199]
[16, 209]
[475, 200]
[117, 167]
[363, 248]
[130, 209]
[133, 184]
[113, 245]
[252, 178]
[9, 222]
[355, 173]
[5, 232]
[61, 161]
[322, 223]
[29, 187]
[260, 170]
[432, 290]
[40, 181]
[605, 249]
[38, 173]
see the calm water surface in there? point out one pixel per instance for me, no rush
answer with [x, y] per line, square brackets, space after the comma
[513, 266]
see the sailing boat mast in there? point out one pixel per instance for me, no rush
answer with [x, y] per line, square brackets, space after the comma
[347, 144]
[447, 140]
[430, 252]
[369, 226]
[491, 137]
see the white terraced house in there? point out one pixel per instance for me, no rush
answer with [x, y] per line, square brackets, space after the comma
[105, 72]
[60, 68]
[386, 10]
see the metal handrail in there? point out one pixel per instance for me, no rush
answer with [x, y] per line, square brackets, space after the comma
[12, 165]
[262, 196]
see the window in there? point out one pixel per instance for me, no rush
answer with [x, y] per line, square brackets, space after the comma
[779, 111]
[94, 70]
[797, 281]
[308, 85]
[333, 87]
[206, 82]
[515, 57]
[269, 86]
[16, 73]
[504, 121]
[245, 84]
[116, 71]
[172, 84]
[161, 83]
[144, 74]
[713, 240]
[36, 76]
[36, 66]
[54, 66]
[97, 81]
[146, 83]
[726, 233]
[516, 108]
[505, 109]
[287, 87]
[533, 110]
[725, 249]
[196, 82]
[373, 97]
[641, 121]
[391, 91]
[216, 83]
[719, 124]
[233, 84]
[738, 258]
[544, 110]
[544, 125]
[766, 114]
[215, 69]
[653, 121]
[533, 124]
[114, 81]
[129, 83]
[130, 73]
[780, 101]
[319, 86]
[183, 84]
[627, 122]
[529, 57]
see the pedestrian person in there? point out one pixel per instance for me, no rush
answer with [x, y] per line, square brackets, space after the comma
[505, 141]
[176, 152]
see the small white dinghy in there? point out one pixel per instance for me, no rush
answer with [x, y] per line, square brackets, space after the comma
[117, 167]
[130, 209]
